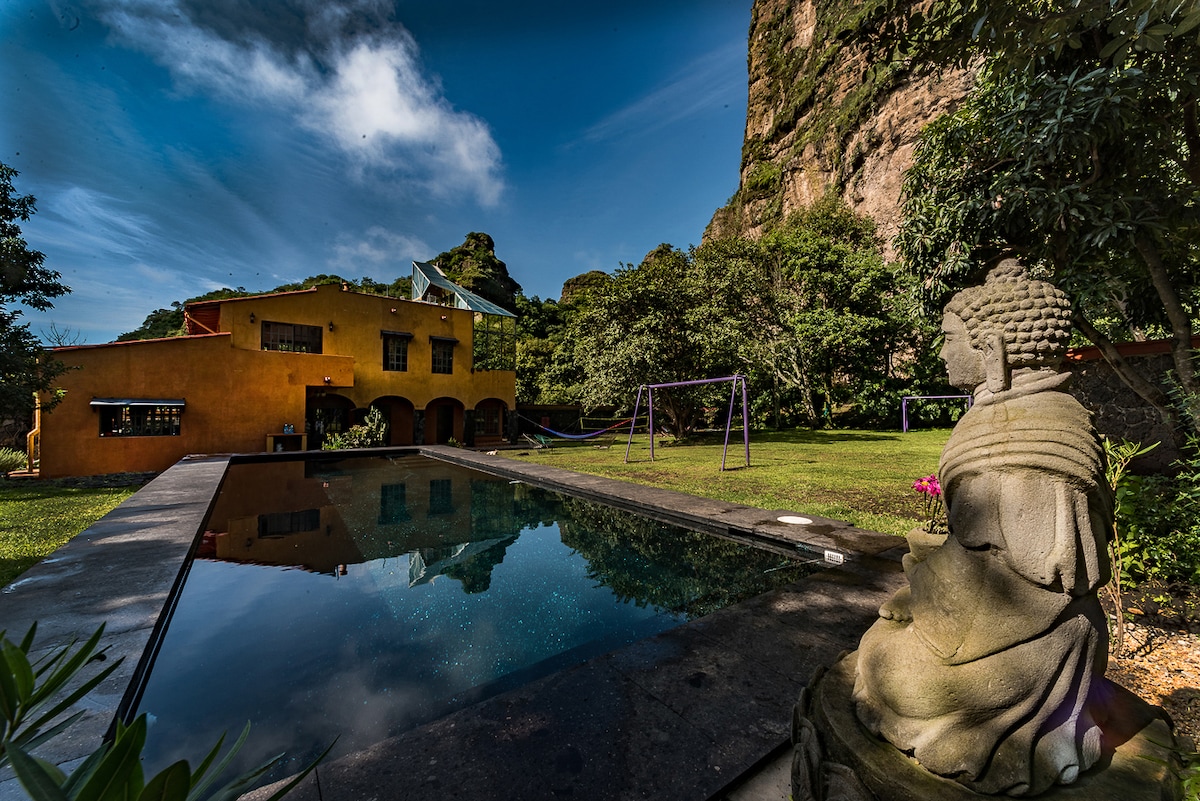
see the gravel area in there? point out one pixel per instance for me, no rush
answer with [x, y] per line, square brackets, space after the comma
[1159, 658]
[1163, 667]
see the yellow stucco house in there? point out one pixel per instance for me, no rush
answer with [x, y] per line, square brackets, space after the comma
[279, 372]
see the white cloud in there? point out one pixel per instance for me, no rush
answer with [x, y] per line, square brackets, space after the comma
[86, 221]
[379, 253]
[708, 82]
[363, 93]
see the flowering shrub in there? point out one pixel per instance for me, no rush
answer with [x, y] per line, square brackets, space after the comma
[931, 488]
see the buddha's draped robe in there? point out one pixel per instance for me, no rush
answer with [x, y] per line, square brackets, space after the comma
[991, 682]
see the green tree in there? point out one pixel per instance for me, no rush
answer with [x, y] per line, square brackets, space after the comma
[1076, 174]
[25, 367]
[1079, 150]
[1027, 34]
[159, 324]
[676, 316]
[841, 327]
[540, 333]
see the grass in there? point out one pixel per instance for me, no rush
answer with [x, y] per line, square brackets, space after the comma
[36, 518]
[862, 477]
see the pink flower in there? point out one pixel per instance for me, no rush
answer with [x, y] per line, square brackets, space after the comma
[928, 485]
[931, 488]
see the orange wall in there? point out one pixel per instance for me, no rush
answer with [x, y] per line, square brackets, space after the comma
[233, 400]
[357, 321]
[236, 393]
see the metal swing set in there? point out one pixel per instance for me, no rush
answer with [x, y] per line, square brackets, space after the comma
[736, 381]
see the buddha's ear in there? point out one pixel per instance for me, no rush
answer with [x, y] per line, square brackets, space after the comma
[995, 362]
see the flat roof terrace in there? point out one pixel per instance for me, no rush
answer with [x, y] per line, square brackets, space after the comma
[686, 714]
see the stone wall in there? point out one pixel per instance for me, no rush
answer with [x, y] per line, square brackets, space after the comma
[1119, 412]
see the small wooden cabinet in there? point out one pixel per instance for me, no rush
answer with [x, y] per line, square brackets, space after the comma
[287, 442]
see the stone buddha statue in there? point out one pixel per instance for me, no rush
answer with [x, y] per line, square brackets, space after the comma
[987, 667]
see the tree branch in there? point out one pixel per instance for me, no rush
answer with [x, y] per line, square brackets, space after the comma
[1181, 325]
[1147, 391]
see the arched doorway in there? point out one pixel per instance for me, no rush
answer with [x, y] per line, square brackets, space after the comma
[443, 421]
[490, 418]
[399, 414]
[326, 413]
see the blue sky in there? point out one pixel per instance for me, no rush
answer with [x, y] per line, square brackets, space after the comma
[178, 146]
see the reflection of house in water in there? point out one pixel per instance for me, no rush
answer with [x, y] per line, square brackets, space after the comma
[322, 517]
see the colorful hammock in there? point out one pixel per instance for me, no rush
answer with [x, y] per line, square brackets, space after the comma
[588, 435]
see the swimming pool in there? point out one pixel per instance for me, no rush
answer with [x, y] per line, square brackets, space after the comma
[362, 597]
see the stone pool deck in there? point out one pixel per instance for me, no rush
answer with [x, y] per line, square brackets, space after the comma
[692, 714]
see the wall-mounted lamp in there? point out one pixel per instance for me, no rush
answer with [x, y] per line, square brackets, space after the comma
[393, 310]
[443, 317]
[331, 325]
[328, 379]
[251, 316]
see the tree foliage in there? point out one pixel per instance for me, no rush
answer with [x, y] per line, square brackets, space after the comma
[809, 311]
[1077, 150]
[25, 368]
[673, 317]
[841, 317]
[546, 367]
[1030, 32]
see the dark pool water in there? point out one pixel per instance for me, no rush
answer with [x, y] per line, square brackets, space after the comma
[360, 598]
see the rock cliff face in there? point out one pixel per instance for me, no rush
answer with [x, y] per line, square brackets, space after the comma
[473, 265]
[820, 117]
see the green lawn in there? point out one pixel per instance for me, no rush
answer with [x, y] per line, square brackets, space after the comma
[36, 518]
[862, 477]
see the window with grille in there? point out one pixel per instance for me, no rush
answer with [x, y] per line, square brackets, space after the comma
[280, 524]
[395, 353]
[441, 496]
[489, 424]
[393, 504]
[140, 421]
[443, 356]
[291, 337]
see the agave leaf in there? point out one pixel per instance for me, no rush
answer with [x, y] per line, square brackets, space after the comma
[120, 767]
[81, 774]
[36, 776]
[75, 695]
[27, 640]
[202, 782]
[207, 761]
[69, 665]
[30, 738]
[19, 668]
[172, 784]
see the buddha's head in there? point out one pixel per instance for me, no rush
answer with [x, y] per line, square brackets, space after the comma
[1008, 323]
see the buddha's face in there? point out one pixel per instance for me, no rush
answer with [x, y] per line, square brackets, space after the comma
[964, 364]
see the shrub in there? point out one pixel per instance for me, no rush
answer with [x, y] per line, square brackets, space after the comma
[1158, 524]
[11, 460]
[373, 433]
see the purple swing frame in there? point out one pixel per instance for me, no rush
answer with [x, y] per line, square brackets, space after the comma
[737, 380]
